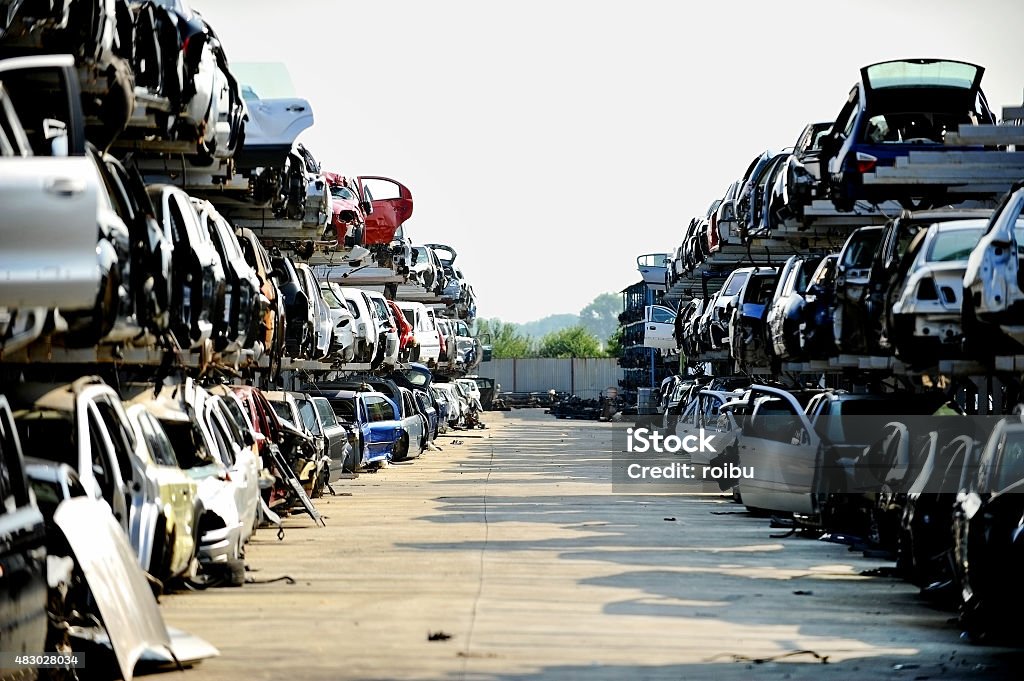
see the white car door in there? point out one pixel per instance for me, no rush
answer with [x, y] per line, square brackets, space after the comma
[659, 326]
[781, 449]
[49, 189]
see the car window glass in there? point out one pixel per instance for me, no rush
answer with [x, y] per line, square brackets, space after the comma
[123, 441]
[308, 415]
[954, 245]
[323, 408]
[283, 410]
[662, 316]
[101, 469]
[222, 439]
[159, 447]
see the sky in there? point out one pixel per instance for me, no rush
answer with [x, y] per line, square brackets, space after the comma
[550, 143]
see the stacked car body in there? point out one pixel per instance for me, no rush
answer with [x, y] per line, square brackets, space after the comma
[168, 246]
[865, 290]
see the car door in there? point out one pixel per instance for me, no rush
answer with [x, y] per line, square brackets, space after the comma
[781, 448]
[49, 188]
[659, 327]
[382, 416]
[335, 433]
[412, 421]
[98, 467]
[392, 206]
[23, 589]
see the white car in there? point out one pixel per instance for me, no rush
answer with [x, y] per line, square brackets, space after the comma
[324, 323]
[424, 328]
[458, 405]
[344, 345]
[993, 291]
[387, 325]
[366, 332]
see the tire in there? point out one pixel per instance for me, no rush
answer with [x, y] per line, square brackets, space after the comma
[355, 457]
[402, 448]
[235, 573]
[318, 484]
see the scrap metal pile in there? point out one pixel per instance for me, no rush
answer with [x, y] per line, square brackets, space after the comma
[144, 434]
[843, 317]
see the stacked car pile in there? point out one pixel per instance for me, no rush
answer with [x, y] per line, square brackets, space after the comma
[922, 268]
[848, 309]
[902, 475]
[181, 173]
[133, 460]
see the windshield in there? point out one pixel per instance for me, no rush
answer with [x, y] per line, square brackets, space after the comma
[921, 73]
[323, 407]
[954, 245]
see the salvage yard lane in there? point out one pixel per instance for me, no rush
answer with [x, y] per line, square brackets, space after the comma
[513, 544]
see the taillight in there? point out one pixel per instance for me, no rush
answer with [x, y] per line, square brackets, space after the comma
[865, 162]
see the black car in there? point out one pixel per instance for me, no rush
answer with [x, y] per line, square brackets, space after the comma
[298, 309]
[897, 107]
[988, 530]
[787, 307]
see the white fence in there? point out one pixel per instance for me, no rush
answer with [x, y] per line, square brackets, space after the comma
[584, 377]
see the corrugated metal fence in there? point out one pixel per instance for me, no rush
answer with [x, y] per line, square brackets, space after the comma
[583, 377]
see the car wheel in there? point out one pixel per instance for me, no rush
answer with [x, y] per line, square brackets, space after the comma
[354, 458]
[402, 448]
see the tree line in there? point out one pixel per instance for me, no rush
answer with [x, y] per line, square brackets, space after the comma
[577, 340]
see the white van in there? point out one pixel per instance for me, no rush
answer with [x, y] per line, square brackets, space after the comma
[424, 328]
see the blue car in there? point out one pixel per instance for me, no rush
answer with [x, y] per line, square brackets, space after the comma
[898, 107]
[375, 419]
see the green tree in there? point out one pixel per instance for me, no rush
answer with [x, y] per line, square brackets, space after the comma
[506, 341]
[613, 346]
[601, 316]
[576, 341]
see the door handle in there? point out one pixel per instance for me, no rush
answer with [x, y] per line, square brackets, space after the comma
[295, 107]
[65, 186]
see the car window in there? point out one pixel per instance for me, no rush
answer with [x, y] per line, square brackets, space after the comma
[282, 410]
[122, 439]
[188, 443]
[344, 408]
[860, 249]
[101, 468]
[662, 316]
[954, 245]
[736, 282]
[222, 438]
[323, 407]
[379, 409]
[156, 440]
[308, 415]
